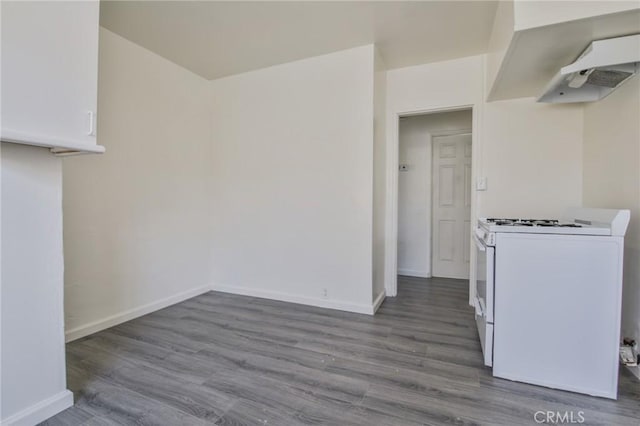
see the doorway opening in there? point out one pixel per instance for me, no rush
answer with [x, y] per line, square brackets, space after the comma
[434, 197]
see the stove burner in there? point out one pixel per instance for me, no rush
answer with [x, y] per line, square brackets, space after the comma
[532, 222]
[496, 220]
[559, 225]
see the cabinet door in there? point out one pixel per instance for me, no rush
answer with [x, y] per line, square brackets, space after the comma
[49, 71]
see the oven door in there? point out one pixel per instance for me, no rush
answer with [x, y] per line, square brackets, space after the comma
[485, 256]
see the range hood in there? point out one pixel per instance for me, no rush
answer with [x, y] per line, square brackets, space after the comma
[603, 67]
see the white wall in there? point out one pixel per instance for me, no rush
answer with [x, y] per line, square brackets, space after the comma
[532, 158]
[414, 187]
[379, 173]
[501, 36]
[530, 153]
[434, 86]
[516, 139]
[612, 180]
[32, 367]
[293, 181]
[137, 219]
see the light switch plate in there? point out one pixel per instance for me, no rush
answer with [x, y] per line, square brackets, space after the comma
[481, 184]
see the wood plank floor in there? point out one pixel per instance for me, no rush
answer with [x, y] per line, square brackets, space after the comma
[236, 360]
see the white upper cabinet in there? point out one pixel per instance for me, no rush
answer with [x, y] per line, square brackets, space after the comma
[49, 73]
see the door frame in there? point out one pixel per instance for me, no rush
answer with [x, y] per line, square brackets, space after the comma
[391, 208]
[430, 225]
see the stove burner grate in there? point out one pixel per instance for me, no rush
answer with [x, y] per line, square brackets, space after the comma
[532, 222]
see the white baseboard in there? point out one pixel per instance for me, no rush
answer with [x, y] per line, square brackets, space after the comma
[412, 273]
[41, 411]
[110, 321]
[292, 298]
[378, 300]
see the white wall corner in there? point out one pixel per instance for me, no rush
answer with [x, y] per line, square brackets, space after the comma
[377, 302]
[124, 316]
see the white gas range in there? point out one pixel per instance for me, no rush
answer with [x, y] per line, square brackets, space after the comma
[548, 298]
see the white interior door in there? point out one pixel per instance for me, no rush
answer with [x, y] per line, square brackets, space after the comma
[451, 206]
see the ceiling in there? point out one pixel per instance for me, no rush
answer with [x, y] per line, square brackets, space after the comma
[215, 39]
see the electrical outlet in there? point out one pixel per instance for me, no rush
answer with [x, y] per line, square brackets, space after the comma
[325, 293]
